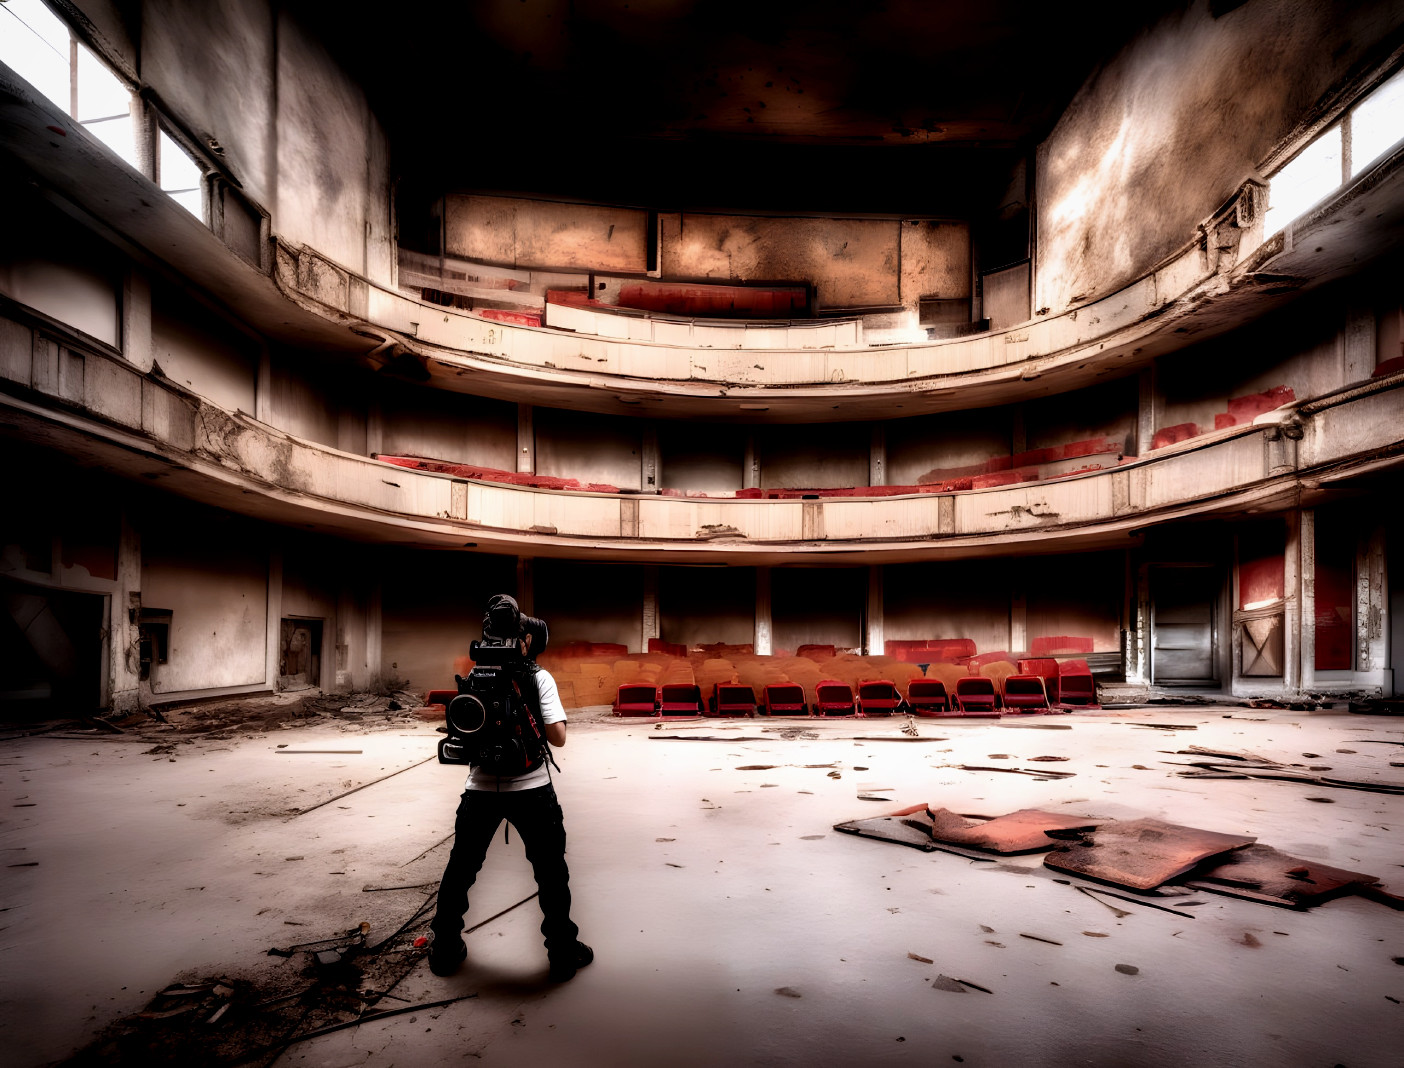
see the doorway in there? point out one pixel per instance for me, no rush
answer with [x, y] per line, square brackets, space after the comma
[51, 646]
[1184, 632]
[300, 654]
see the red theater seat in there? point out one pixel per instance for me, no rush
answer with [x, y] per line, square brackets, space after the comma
[976, 695]
[878, 698]
[928, 697]
[680, 699]
[834, 698]
[1075, 685]
[782, 699]
[731, 699]
[636, 699]
[1025, 693]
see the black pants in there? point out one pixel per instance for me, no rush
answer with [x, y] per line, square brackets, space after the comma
[538, 819]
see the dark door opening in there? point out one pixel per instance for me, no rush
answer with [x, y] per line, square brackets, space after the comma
[51, 652]
[300, 654]
[1184, 604]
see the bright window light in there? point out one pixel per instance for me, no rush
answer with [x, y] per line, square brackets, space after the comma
[1311, 177]
[105, 105]
[1376, 124]
[179, 175]
[34, 44]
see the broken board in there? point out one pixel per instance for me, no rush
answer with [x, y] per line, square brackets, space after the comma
[1265, 874]
[1143, 853]
[1024, 831]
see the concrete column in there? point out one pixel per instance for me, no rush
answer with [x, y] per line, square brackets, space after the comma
[1358, 344]
[263, 387]
[136, 319]
[124, 674]
[1306, 598]
[877, 456]
[649, 460]
[1145, 415]
[375, 637]
[526, 440]
[763, 633]
[1018, 613]
[751, 465]
[375, 427]
[1292, 605]
[1372, 611]
[874, 644]
[145, 131]
[526, 585]
[650, 622]
[275, 617]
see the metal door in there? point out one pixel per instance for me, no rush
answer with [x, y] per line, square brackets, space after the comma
[1183, 632]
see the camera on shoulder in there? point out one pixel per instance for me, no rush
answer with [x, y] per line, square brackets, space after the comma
[489, 724]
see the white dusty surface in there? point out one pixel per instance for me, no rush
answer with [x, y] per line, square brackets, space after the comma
[707, 891]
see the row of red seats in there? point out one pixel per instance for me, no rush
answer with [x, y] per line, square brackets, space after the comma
[1040, 686]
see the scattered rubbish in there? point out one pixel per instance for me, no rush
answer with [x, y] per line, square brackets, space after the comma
[1039, 772]
[755, 767]
[1262, 873]
[301, 752]
[1166, 726]
[672, 865]
[1210, 769]
[1097, 894]
[368, 889]
[1323, 800]
[788, 992]
[1036, 726]
[1229, 754]
[1128, 969]
[872, 797]
[973, 986]
[812, 837]
[1141, 854]
[1049, 758]
[945, 982]
[1000, 756]
[924, 960]
[1039, 938]
[1099, 934]
[835, 775]
[992, 942]
[1249, 939]
[665, 839]
[987, 930]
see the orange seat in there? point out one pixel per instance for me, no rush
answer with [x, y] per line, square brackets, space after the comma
[928, 697]
[636, 699]
[834, 698]
[732, 699]
[878, 698]
[975, 695]
[783, 699]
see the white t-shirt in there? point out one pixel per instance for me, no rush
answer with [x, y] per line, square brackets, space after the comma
[551, 711]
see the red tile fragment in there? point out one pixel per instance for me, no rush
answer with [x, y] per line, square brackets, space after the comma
[1142, 854]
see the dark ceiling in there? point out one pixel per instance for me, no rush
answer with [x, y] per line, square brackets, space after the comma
[868, 105]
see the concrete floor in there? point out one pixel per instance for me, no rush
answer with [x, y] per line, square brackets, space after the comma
[732, 925]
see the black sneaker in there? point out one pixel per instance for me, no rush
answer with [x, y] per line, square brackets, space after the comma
[444, 958]
[564, 965]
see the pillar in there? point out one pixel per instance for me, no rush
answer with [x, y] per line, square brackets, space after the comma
[874, 643]
[650, 621]
[877, 456]
[526, 440]
[762, 634]
[751, 465]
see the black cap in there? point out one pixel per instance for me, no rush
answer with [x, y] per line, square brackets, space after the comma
[503, 619]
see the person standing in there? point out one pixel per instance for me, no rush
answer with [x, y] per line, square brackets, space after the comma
[527, 802]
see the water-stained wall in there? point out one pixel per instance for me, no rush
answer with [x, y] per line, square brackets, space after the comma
[1172, 126]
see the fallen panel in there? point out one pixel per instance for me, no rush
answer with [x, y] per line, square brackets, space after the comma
[1267, 874]
[1024, 831]
[1143, 853]
[908, 831]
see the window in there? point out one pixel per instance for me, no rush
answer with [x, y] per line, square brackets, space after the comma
[41, 48]
[1368, 130]
[179, 176]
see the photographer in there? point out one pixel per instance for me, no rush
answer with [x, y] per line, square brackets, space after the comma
[527, 802]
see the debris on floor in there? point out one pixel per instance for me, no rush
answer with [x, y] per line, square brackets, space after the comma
[1143, 853]
[1262, 873]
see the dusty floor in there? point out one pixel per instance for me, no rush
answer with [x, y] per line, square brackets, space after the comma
[732, 924]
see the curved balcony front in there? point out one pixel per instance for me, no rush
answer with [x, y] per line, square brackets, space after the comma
[90, 403]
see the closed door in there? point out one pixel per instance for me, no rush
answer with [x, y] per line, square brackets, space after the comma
[1183, 601]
